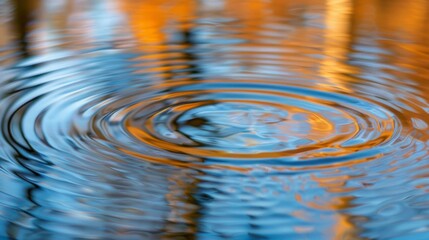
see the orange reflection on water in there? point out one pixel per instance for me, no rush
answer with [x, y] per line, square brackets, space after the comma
[149, 20]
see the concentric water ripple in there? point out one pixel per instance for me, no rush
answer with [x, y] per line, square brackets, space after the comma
[224, 120]
[234, 121]
[214, 122]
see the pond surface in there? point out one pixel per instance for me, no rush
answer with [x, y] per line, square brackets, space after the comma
[214, 119]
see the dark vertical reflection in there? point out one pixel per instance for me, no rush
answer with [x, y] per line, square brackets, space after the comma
[24, 13]
[23, 16]
[190, 56]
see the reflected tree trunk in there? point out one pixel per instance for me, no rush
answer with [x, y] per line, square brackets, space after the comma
[23, 15]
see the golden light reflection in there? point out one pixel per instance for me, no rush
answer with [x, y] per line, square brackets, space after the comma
[149, 20]
[342, 228]
[337, 44]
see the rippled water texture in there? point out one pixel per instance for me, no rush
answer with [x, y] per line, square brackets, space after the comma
[214, 119]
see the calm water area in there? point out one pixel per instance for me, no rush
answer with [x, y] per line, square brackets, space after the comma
[214, 119]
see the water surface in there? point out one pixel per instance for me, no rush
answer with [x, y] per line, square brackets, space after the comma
[214, 119]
